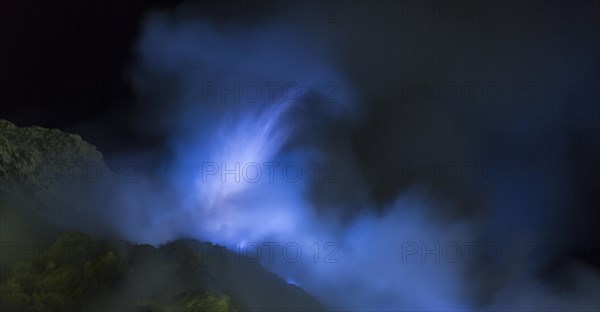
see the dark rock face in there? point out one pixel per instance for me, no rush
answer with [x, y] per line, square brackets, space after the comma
[48, 176]
[36, 159]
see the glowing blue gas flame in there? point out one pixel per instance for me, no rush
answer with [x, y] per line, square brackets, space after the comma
[249, 136]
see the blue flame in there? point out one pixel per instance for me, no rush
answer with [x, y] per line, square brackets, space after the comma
[176, 56]
[230, 132]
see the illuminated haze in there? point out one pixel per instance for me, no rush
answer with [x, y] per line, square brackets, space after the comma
[178, 75]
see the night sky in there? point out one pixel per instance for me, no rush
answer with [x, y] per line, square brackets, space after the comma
[431, 87]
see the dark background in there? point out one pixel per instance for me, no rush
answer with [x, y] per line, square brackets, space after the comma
[63, 65]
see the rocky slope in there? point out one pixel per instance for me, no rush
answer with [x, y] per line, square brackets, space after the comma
[46, 174]
[80, 273]
[35, 159]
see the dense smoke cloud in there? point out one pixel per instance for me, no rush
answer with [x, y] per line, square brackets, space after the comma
[385, 169]
[230, 95]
